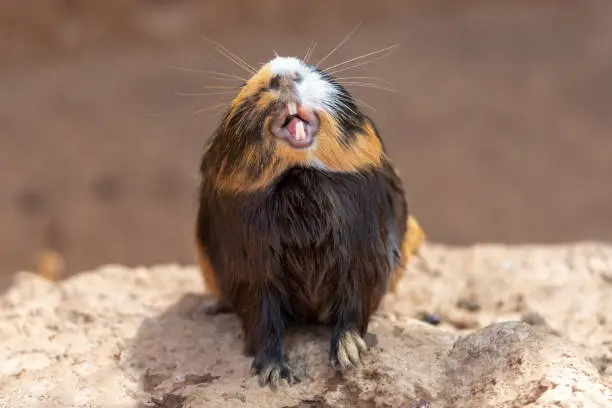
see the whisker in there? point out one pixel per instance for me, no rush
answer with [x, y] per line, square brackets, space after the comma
[352, 67]
[343, 102]
[368, 85]
[357, 65]
[245, 65]
[229, 56]
[202, 71]
[225, 79]
[309, 51]
[209, 108]
[348, 36]
[332, 68]
[360, 102]
[221, 87]
[365, 77]
[204, 94]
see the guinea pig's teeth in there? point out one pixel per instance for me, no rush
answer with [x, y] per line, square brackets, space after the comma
[300, 133]
[291, 106]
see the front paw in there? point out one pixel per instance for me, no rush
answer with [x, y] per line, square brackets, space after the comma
[347, 349]
[272, 370]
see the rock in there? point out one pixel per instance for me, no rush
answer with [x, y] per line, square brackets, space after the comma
[512, 364]
[118, 337]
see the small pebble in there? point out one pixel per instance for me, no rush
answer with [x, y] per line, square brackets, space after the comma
[430, 318]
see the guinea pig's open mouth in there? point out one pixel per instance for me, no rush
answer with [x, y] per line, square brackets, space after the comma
[296, 125]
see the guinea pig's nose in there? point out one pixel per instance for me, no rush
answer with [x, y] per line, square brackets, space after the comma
[286, 81]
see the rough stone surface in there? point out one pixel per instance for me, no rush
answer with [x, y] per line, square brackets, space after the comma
[518, 327]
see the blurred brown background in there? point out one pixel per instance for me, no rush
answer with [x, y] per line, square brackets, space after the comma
[501, 129]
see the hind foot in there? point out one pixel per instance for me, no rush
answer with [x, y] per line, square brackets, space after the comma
[347, 348]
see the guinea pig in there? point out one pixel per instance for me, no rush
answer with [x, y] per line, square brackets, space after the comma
[302, 218]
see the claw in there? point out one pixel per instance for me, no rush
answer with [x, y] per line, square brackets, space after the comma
[273, 372]
[347, 351]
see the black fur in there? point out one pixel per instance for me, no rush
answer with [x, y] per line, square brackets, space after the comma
[234, 135]
[312, 247]
[348, 114]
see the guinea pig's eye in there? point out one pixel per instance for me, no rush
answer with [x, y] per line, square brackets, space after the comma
[243, 85]
[298, 78]
[275, 82]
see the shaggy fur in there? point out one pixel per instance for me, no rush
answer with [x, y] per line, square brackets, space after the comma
[288, 236]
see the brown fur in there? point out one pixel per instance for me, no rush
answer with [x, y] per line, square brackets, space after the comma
[208, 274]
[413, 240]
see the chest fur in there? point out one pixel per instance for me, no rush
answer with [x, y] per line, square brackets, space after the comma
[305, 226]
[309, 208]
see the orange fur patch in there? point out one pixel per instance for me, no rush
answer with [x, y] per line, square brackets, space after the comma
[365, 152]
[264, 101]
[412, 241]
[207, 271]
[239, 178]
[254, 84]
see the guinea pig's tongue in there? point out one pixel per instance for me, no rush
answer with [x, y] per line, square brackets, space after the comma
[296, 129]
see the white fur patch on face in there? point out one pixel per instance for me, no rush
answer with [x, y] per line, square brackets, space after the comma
[313, 90]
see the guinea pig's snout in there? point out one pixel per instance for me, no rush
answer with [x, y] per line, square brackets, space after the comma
[295, 124]
[285, 82]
